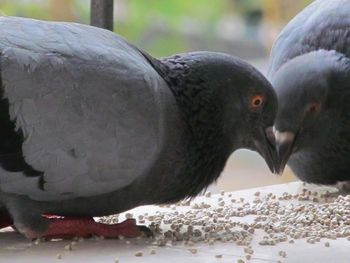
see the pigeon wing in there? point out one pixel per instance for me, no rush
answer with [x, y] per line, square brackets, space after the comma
[322, 25]
[90, 107]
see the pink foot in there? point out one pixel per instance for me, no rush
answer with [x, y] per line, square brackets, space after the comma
[68, 228]
[5, 220]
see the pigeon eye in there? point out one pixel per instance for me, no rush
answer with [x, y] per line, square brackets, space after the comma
[313, 107]
[257, 101]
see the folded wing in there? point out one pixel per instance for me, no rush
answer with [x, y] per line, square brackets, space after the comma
[90, 107]
[322, 25]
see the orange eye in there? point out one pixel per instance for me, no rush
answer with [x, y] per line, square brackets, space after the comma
[257, 101]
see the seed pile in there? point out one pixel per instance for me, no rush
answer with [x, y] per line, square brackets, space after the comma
[307, 215]
[221, 218]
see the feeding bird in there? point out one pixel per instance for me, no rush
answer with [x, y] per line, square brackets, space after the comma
[93, 126]
[310, 71]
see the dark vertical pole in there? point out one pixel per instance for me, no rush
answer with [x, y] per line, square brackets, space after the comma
[101, 14]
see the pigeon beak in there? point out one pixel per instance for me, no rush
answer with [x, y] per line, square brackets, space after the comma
[265, 144]
[284, 145]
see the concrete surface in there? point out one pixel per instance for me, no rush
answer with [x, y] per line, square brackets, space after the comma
[16, 249]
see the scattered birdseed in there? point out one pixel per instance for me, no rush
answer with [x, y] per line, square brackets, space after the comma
[311, 241]
[240, 261]
[248, 257]
[282, 254]
[138, 254]
[218, 256]
[327, 244]
[59, 256]
[128, 216]
[190, 243]
[208, 194]
[151, 218]
[222, 203]
[248, 250]
[152, 252]
[222, 192]
[195, 206]
[299, 218]
[68, 247]
[193, 250]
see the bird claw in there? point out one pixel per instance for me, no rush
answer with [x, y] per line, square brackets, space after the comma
[67, 228]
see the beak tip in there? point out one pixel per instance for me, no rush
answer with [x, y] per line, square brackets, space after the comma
[281, 167]
[284, 146]
[265, 145]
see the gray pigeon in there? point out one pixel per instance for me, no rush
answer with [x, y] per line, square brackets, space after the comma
[310, 71]
[92, 126]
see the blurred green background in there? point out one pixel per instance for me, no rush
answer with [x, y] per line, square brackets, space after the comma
[163, 27]
[245, 28]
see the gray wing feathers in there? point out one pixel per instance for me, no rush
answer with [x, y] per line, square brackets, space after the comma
[91, 111]
[322, 25]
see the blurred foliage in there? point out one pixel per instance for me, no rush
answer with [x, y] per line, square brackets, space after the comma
[67, 10]
[23, 8]
[170, 12]
[171, 17]
[163, 27]
[281, 11]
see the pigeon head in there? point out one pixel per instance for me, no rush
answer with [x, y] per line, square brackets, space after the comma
[226, 96]
[309, 90]
[250, 106]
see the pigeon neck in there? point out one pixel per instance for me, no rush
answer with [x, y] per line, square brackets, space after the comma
[200, 104]
[201, 108]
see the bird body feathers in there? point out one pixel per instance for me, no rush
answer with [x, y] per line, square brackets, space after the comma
[97, 126]
[310, 65]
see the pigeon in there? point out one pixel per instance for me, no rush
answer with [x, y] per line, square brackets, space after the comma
[93, 126]
[310, 71]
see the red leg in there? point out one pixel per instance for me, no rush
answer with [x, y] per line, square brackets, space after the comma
[5, 220]
[86, 227]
